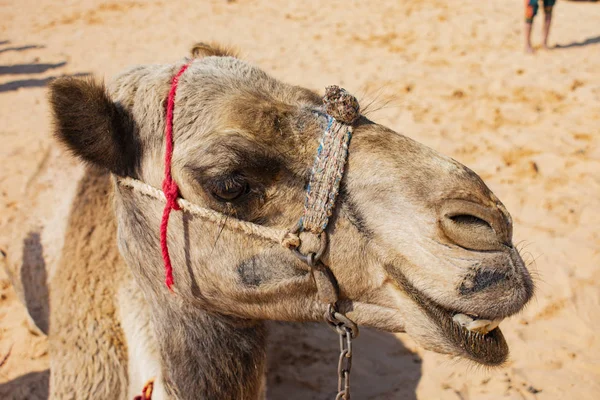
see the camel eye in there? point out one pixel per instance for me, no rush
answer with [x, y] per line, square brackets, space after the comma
[230, 189]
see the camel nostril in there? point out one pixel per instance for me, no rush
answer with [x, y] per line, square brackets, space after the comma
[471, 232]
[470, 221]
[473, 226]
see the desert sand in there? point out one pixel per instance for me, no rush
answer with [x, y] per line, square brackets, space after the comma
[450, 74]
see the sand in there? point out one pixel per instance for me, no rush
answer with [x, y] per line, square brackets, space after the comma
[451, 74]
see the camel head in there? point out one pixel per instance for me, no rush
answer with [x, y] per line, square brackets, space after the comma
[417, 241]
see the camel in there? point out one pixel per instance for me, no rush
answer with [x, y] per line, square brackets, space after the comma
[417, 242]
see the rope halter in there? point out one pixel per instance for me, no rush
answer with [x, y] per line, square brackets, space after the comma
[328, 169]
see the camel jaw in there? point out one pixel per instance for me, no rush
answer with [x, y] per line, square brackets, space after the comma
[457, 333]
[487, 347]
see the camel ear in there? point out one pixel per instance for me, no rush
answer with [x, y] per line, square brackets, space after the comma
[200, 50]
[96, 129]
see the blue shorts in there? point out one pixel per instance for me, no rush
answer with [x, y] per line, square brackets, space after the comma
[531, 8]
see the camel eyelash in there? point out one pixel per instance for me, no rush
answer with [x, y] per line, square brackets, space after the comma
[230, 188]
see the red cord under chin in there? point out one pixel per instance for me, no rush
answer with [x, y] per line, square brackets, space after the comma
[169, 185]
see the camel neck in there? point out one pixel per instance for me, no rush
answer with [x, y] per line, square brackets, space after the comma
[211, 356]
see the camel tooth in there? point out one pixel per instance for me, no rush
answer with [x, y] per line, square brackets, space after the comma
[480, 326]
[495, 324]
[462, 319]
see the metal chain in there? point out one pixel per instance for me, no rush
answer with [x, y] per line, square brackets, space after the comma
[342, 325]
[344, 366]
[347, 330]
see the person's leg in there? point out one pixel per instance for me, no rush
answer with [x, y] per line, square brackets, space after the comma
[548, 6]
[531, 7]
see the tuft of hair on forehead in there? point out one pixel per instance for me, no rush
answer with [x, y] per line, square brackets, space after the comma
[201, 49]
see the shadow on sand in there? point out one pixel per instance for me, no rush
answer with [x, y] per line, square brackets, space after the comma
[34, 385]
[20, 48]
[303, 359]
[31, 386]
[32, 83]
[34, 281]
[586, 42]
[29, 68]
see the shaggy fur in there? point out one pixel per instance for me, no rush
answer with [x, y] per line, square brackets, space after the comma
[415, 236]
[89, 343]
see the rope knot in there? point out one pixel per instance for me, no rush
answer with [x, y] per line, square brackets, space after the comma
[341, 105]
[290, 240]
[171, 191]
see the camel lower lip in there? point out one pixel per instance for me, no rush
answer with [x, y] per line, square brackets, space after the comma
[489, 349]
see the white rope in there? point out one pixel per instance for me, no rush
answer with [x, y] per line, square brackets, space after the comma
[283, 237]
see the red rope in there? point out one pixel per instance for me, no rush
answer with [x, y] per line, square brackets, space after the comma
[169, 185]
